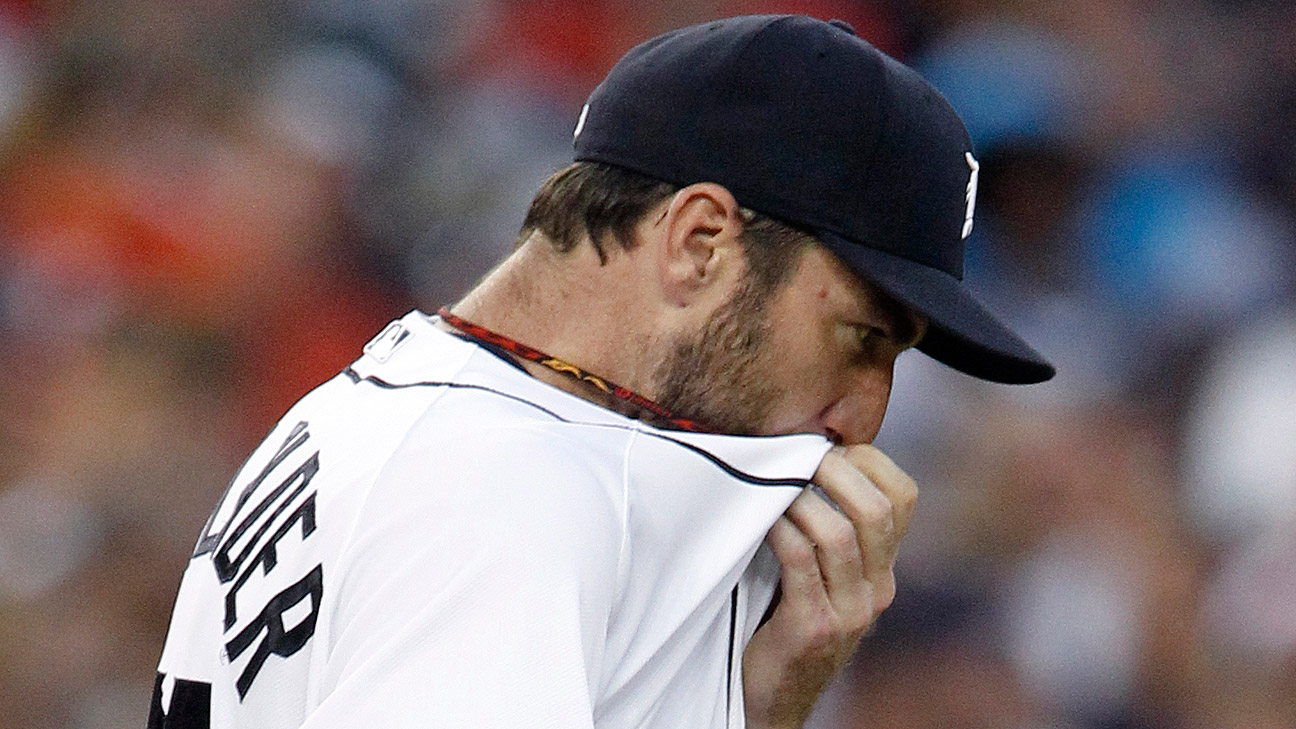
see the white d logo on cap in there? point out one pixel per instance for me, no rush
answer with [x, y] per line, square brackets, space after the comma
[580, 123]
[971, 189]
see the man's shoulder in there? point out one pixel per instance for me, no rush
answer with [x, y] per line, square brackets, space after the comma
[500, 433]
[471, 386]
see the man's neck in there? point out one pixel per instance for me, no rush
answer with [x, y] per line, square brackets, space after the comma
[559, 303]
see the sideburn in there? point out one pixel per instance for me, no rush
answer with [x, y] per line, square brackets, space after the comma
[719, 377]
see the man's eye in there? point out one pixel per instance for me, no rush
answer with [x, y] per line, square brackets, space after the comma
[871, 335]
[865, 340]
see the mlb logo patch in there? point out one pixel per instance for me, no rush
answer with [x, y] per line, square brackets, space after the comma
[383, 346]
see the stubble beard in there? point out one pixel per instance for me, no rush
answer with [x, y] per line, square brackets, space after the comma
[719, 377]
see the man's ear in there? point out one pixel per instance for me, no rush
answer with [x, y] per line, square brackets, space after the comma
[699, 242]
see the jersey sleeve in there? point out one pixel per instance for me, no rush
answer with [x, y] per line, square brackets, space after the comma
[477, 586]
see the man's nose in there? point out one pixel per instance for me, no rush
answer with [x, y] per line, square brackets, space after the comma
[857, 416]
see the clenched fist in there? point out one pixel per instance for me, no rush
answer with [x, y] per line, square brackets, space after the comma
[838, 575]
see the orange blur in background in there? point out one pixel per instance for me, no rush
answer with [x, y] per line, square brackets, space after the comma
[206, 208]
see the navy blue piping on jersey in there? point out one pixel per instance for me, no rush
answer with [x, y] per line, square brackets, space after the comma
[720, 463]
[384, 384]
[733, 629]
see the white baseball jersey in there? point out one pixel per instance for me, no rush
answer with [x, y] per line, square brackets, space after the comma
[433, 538]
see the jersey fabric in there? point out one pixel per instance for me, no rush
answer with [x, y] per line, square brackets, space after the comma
[434, 538]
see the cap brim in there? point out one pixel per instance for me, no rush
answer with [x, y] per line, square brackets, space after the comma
[961, 332]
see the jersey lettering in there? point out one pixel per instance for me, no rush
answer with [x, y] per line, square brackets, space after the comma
[227, 567]
[208, 541]
[278, 640]
[268, 556]
[246, 550]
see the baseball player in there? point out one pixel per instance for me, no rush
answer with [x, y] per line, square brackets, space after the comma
[627, 480]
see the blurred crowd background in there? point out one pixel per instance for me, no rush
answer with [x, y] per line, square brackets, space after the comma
[207, 207]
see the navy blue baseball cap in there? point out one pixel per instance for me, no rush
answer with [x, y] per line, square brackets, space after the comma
[807, 123]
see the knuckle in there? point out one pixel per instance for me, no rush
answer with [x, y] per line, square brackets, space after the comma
[884, 591]
[840, 536]
[883, 599]
[798, 555]
[877, 512]
[906, 489]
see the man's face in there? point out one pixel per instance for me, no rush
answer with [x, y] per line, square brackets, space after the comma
[815, 356]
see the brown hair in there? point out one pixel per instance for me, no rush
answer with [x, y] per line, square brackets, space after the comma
[605, 201]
